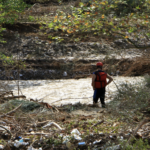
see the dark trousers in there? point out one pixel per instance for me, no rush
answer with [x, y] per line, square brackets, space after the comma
[99, 93]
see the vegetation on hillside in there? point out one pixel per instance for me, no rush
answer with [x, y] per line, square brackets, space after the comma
[128, 19]
[9, 12]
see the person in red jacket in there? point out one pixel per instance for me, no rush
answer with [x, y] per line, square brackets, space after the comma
[99, 82]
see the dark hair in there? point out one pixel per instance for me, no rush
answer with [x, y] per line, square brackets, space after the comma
[99, 67]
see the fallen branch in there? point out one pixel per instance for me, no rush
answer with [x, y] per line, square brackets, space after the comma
[7, 131]
[38, 133]
[11, 111]
[39, 124]
[13, 97]
[99, 122]
[137, 128]
[53, 124]
[45, 104]
[9, 122]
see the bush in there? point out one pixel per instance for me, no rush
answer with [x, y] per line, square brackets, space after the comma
[27, 106]
[129, 100]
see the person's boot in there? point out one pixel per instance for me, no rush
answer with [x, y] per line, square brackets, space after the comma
[103, 106]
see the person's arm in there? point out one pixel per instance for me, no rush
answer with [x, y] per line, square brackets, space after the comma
[93, 81]
[110, 79]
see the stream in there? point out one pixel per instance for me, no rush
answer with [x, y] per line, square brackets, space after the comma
[60, 92]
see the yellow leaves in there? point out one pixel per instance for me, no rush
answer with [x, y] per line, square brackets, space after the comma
[69, 16]
[103, 17]
[56, 17]
[64, 27]
[131, 14]
[126, 37]
[55, 20]
[69, 31]
[102, 3]
[61, 17]
[86, 24]
[87, 13]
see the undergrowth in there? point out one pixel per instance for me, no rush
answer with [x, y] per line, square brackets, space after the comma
[129, 100]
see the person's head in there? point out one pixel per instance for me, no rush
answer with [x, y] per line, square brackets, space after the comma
[99, 65]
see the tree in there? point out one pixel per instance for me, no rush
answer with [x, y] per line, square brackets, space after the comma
[101, 18]
[9, 11]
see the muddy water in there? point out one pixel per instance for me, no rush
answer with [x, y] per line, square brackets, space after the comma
[59, 92]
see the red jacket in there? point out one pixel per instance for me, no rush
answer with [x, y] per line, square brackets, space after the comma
[100, 80]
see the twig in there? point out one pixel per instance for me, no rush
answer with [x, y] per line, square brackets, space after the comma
[99, 122]
[145, 131]
[7, 131]
[116, 86]
[37, 133]
[11, 111]
[56, 108]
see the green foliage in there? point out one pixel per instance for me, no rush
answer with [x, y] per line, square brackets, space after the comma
[101, 18]
[31, 18]
[9, 11]
[136, 94]
[129, 100]
[127, 6]
[138, 144]
[27, 106]
[6, 60]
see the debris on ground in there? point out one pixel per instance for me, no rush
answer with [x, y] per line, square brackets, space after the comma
[42, 128]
